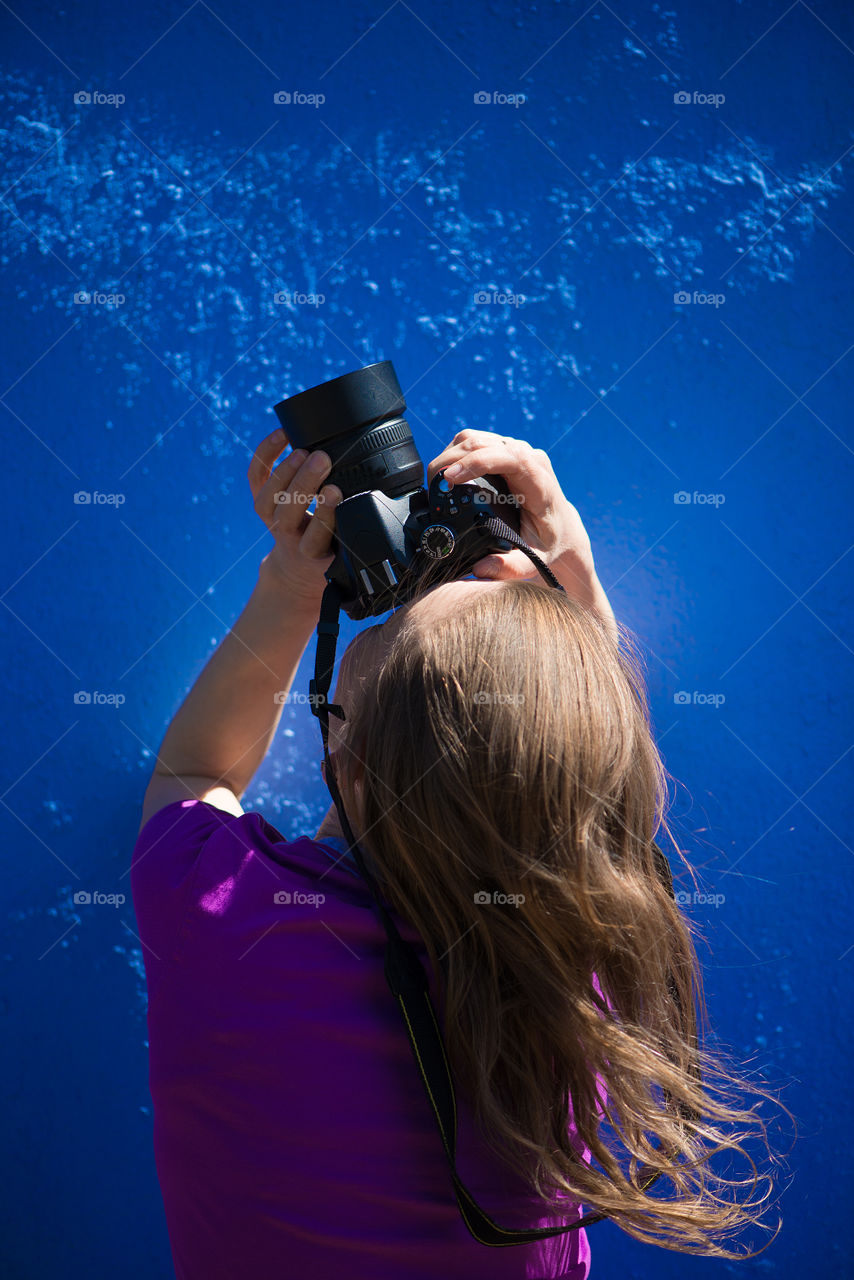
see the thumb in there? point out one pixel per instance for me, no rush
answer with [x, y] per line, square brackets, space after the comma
[504, 565]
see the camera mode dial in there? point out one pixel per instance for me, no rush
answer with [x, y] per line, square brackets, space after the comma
[437, 541]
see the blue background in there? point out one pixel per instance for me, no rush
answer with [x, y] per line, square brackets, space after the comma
[399, 198]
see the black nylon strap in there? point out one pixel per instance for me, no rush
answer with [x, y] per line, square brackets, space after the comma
[499, 529]
[408, 983]
[324, 658]
[404, 972]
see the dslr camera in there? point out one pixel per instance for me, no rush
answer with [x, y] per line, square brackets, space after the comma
[391, 533]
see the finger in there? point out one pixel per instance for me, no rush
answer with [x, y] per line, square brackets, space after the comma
[275, 480]
[305, 485]
[275, 489]
[462, 444]
[264, 457]
[528, 473]
[316, 542]
[445, 459]
[505, 565]
[292, 486]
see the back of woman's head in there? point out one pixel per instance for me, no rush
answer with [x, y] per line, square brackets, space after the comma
[509, 790]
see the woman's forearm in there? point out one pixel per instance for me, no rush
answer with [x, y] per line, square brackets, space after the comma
[580, 580]
[229, 718]
[602, 606]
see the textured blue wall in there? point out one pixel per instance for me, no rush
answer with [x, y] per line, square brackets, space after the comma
[397, 199]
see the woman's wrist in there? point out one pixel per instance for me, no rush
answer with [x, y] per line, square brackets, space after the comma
[578, 577]
[602, 607]
[280, 595]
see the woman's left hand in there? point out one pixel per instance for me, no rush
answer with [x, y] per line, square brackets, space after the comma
[282, 495]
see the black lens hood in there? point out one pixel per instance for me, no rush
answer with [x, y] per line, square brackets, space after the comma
[343, 405]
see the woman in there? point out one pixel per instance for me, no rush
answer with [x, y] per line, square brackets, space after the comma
[497, 768]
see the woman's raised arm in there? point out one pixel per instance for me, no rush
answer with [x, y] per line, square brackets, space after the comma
[549, 524]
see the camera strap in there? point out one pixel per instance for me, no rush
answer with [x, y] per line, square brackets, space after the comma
[403, 970]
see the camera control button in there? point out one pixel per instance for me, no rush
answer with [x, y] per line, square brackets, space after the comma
[437, 541]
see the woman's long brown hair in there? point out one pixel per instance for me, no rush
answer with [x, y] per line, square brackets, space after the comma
[509, 790]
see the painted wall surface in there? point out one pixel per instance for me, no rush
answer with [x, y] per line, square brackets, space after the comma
[668, 288]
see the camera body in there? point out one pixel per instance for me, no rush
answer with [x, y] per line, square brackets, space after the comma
[385, 544]
[389, 529]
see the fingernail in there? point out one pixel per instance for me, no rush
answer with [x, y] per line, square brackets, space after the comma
[320, 462]
[454, 470]
[299, 455]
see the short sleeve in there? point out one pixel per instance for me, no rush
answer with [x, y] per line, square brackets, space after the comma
[163, 869]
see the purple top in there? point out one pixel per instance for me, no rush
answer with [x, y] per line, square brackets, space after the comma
[292, 1133]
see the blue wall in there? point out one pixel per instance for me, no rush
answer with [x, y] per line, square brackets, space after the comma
[594, 202]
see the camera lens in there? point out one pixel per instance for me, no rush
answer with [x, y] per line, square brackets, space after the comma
[357, 419]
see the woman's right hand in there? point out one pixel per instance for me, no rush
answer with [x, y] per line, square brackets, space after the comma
[549, 523]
